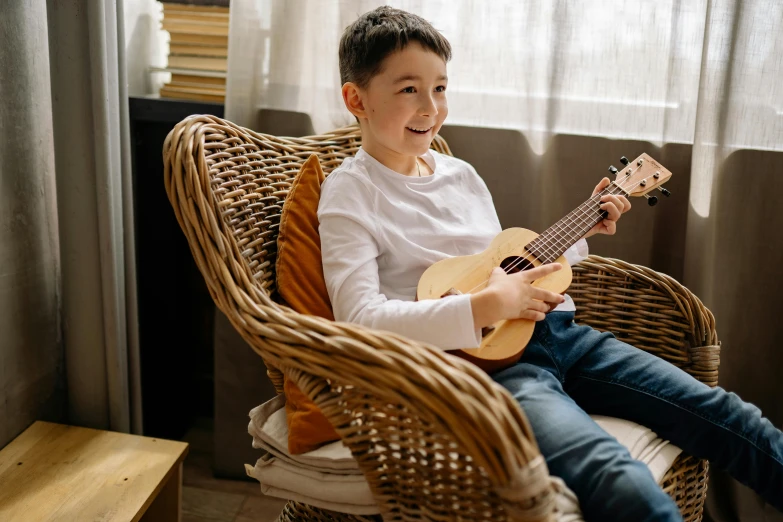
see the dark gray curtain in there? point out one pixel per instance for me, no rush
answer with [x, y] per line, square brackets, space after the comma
[68, 347]
[32, 381]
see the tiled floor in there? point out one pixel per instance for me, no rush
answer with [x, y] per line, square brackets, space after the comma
[207, 499]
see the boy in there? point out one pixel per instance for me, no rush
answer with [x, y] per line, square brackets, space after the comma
[398, 207]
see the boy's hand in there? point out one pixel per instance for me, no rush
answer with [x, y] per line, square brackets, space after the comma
[615, 207]
[512, 296]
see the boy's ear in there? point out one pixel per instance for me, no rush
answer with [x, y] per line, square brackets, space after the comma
[352, 96]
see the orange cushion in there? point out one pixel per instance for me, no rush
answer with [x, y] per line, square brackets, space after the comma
[300, 282]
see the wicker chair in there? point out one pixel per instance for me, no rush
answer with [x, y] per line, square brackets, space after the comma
[396, 402]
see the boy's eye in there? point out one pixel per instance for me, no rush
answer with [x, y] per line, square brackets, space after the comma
[439, 88]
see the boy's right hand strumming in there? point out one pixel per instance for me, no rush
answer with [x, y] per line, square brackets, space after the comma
[512, 296]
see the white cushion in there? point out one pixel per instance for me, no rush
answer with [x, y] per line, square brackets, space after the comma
[329, 477]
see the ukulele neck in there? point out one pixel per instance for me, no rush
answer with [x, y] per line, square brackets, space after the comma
[561, 236]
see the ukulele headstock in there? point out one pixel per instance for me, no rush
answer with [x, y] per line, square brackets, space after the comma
[640, 176]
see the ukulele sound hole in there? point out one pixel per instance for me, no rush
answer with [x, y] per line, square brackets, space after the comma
[515, 264]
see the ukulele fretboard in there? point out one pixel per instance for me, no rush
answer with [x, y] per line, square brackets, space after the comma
[558, 238]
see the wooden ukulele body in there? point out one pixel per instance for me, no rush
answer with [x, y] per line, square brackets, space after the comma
[502, 346]
[503, 343]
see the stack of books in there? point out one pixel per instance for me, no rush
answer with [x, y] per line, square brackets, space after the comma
[198, 49]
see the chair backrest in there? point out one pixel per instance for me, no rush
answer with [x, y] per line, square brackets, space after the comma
[249, 175]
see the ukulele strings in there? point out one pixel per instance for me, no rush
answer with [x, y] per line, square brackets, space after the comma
[579, 219]
[584, 213]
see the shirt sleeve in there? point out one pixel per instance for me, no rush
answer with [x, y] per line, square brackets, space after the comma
[577, 253]
[349, 252]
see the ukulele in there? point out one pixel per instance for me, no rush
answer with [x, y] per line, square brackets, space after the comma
[517, 249]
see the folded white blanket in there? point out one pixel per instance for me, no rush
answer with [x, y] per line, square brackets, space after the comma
[342, 493]
[329, 477]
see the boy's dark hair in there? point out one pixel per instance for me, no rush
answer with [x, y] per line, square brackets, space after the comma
[377, 34]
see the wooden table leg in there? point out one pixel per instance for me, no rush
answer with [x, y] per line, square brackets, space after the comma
[167, 506]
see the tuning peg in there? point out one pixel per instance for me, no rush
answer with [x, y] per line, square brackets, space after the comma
[651, 200]
[624, 160]
[612, 169]
[664, 192]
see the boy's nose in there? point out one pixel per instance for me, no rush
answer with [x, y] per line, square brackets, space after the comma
[429, 108]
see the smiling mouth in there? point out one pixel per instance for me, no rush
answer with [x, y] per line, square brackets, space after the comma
[419, 131]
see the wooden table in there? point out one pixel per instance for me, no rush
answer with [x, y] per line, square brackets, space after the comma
[58, 472]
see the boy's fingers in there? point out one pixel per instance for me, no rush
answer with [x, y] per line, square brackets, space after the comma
[601, 185]
[532, 315]
[538, 306]
[612, 210]
[541, 271]
[546, 296]
[619, 201]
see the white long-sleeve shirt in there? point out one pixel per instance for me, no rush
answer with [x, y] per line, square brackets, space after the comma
[380, 230]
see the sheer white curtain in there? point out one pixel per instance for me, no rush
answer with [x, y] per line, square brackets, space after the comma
[630, 69]
[706, 73]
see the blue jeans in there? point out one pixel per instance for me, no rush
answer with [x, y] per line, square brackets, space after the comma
[568, 371]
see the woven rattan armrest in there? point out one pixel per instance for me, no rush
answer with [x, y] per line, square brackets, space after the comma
[649, 310]
[422, 424]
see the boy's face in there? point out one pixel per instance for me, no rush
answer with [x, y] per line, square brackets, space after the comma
[405, 105]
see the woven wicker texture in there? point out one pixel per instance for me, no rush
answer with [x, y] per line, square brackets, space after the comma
[296, 511]
[434, 436]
